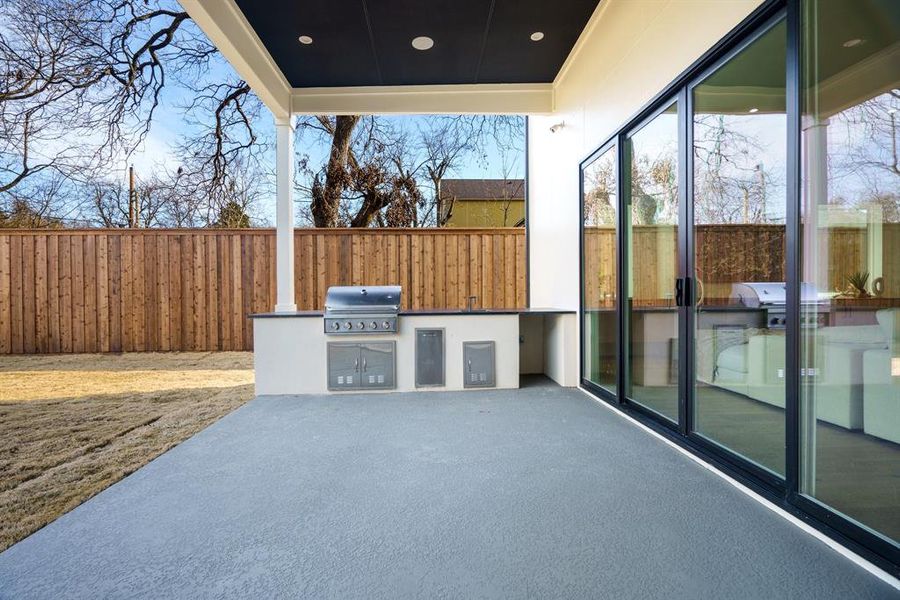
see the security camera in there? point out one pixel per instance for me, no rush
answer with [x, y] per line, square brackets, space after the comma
[557, 127]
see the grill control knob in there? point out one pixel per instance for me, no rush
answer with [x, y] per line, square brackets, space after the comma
[361, 325]
[335, 325]
[386, 325]
[348, 325]
[373, 325]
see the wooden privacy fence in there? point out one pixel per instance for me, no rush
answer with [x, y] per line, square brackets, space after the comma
[161, 290]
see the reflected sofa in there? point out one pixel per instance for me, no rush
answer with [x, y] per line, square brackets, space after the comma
[756, 369]
[881, 376]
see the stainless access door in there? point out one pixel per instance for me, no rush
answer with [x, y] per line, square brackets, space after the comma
[343, 366]
[377, 365]
[429, 357]
[478, 364]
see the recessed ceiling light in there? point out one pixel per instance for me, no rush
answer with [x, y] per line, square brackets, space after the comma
[753, 110]
[305, 39]
[423, 42]
[537, 36]
[853, 42]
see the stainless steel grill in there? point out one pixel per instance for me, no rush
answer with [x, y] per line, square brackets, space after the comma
[772, 297]
[353, 310]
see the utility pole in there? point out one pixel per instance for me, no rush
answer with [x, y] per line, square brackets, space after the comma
[131, 197]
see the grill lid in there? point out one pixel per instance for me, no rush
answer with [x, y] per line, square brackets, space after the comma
[362, 299]
[770, 293]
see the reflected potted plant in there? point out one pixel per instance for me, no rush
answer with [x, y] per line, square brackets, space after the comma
[856, 286]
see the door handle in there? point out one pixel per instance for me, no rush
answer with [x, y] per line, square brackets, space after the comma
[683, 292]
[356, 365]
[364, 365]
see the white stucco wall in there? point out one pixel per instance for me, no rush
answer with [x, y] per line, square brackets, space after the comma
[630, 51]
[290, 353]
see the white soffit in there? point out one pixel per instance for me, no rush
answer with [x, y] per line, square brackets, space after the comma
[505, 98]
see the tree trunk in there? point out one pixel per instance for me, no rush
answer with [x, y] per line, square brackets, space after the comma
[372, 204]
[326, 199]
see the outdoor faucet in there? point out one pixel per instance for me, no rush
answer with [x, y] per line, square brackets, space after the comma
[470, 303]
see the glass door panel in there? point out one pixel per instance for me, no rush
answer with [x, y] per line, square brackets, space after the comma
[599, 281]
[651, 233]
[738, 229]
[850, 206]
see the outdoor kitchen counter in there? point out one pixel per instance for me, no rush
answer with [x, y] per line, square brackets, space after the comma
[290, 348]
[430, 312]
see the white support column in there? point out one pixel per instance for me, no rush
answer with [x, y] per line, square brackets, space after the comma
[814, 269]
[284, 215]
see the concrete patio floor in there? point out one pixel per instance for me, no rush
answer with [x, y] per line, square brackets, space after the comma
[536, 493]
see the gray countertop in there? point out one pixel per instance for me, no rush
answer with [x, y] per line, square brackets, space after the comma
[428, 312]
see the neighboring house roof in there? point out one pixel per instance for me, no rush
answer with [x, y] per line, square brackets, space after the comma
[484, 189]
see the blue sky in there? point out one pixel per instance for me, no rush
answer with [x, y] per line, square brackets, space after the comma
[170, 123]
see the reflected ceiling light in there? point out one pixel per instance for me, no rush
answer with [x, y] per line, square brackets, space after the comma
[537, 36]
[853, 42]
[305, 40]
[423, 42]
[753, 110]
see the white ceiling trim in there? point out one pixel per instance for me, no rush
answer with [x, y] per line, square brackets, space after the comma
[227, 28]
[505, 98]
[583, 38]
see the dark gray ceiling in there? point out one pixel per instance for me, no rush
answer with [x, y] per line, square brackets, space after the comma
[368, 42]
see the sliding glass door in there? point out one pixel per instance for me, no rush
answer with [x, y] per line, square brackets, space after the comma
[599, 212]
[652, 197]
[738, 275]
[741, 263]
[850, 201]
[705, 272]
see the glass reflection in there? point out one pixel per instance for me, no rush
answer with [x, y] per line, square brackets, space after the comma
[651, 196]
[599, 276]
[850, 395]
[739, 204]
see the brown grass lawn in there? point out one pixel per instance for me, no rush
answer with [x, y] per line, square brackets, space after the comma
[72, 425]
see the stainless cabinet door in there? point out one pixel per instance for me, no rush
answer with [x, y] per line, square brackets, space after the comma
[478, 364]
[343, 366]
[429, 357]
[376, 365]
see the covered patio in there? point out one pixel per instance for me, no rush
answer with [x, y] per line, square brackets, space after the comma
[537, 492]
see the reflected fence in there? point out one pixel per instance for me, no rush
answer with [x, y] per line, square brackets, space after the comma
[729, 253]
